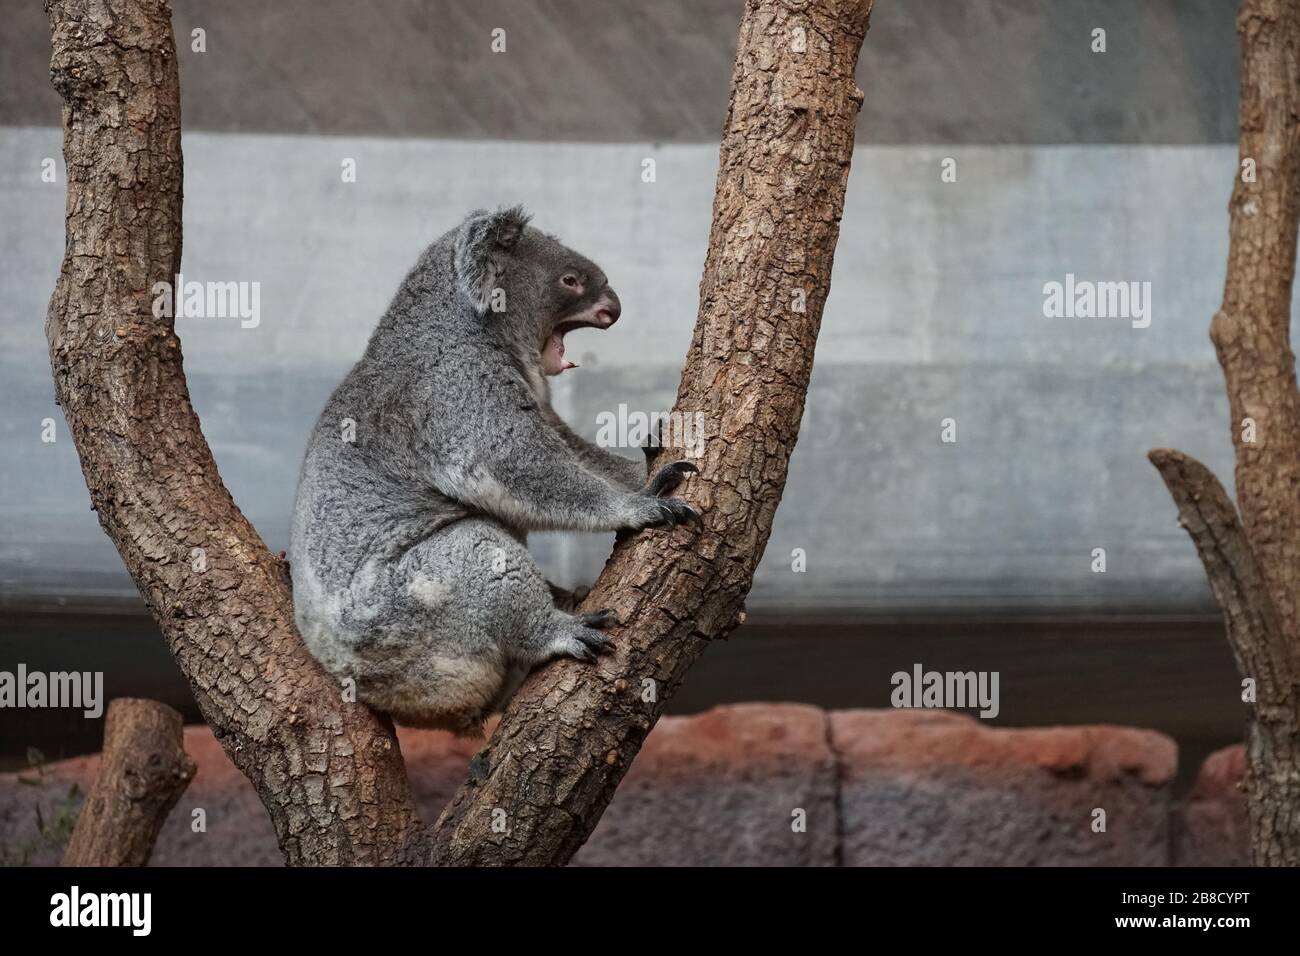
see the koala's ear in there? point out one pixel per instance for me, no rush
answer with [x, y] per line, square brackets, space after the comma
[484, 241]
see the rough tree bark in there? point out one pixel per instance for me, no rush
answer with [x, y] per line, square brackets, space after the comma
[330, 773]
[571, 732]
[143, 771]
[1253, 562]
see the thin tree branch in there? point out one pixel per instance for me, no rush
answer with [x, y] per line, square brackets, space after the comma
[1252, 330]
[1207, 514]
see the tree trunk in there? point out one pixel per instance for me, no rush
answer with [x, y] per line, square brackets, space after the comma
[571, 732]
[143, 771]
[330, 774]
[1254, 563]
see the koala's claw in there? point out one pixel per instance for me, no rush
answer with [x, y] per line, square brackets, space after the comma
[667, 478]
[594, 642]
[653, 444]
[605, 617]
[580, 652]
[675, 511]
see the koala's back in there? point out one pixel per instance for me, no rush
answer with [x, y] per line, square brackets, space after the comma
[357, 505]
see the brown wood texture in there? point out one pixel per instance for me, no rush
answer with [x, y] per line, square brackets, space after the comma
[143, 771]
[330, 774]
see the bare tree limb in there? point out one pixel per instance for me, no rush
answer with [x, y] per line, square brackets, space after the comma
[1253, 564]
[143, 771]
[330, 774]
[1262, 649]
[1206, 512]
[542, 782]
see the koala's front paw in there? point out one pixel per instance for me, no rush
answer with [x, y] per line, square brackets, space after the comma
[655, 512]
[667, 479]
[605, 617]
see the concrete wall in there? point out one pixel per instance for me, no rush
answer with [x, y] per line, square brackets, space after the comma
[936, 312]
[936, 309]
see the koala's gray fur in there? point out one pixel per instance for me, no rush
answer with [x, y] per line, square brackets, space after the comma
[407, 550]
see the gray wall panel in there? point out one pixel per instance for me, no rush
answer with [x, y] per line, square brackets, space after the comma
[936, 311]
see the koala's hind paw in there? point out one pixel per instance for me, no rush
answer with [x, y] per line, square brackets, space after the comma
[667, 479]
[583, 643]
[578, 635]
[598, 642]
[605, 617]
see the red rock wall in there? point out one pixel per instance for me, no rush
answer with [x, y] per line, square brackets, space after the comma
[775, 784]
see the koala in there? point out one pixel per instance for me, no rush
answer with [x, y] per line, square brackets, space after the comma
[432, 461]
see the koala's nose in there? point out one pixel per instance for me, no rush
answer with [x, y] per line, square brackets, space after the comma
[608, 308]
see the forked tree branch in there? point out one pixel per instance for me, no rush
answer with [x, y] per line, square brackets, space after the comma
[330, 773]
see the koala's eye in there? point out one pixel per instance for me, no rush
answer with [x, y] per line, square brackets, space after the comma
[570, 280]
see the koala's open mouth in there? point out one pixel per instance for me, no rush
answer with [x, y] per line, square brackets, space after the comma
[600, 315]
